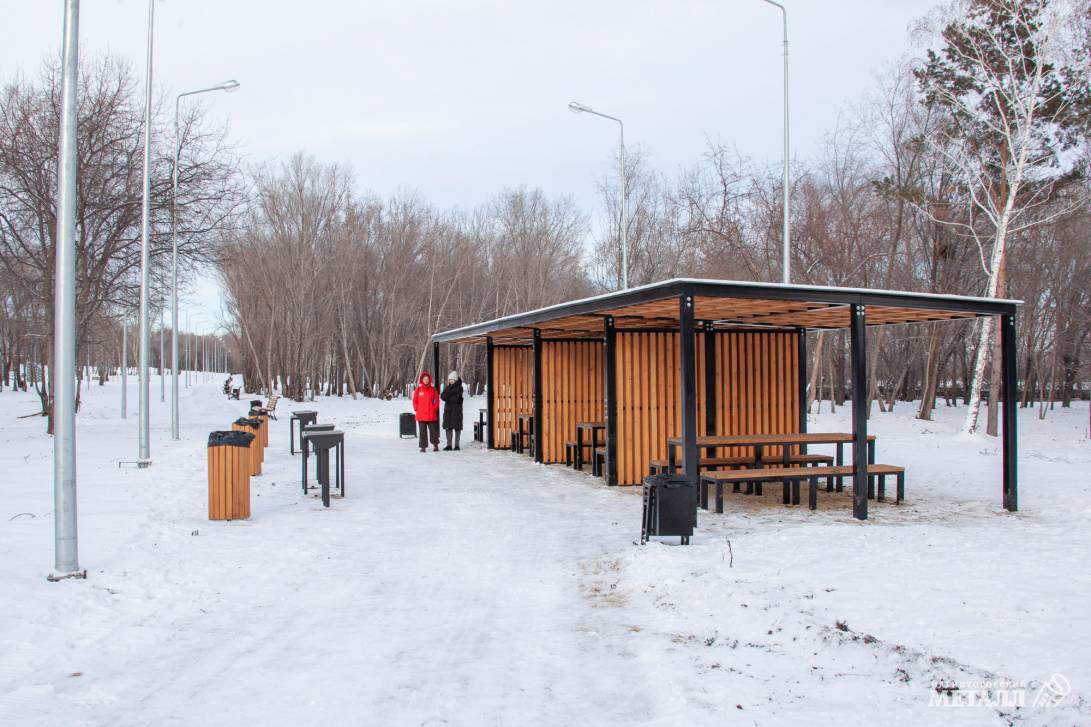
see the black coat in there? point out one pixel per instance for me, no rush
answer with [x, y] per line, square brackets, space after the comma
[452, 409]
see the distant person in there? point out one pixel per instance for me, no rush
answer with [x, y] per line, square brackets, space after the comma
[452, 411]
[426, 408]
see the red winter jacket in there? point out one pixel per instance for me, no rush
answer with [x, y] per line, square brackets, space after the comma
[426, 400]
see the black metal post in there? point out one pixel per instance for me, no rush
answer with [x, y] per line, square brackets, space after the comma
[801, 367]
[490, 394]
[609, 364]
[435, 366]
[858, 359]
[1008, 429]
[710, 383]
[539, 440]
[687, 355]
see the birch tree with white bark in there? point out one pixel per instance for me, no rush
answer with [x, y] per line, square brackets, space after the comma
[1011, 108]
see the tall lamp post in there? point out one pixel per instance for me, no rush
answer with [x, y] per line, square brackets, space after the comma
[66, 558]
[787, 230]
[144, 458]
[579, 108]
[225, 86]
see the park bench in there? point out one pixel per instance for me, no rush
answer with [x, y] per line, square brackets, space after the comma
[270, 406]
[792, 476]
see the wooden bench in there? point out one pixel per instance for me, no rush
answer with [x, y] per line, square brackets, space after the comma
[659, 466]
[791, 477]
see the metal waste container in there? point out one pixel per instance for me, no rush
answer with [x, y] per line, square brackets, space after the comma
[229, 475]
[670, 507]
[407, 425]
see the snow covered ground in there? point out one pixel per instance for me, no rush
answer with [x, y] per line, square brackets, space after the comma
[478, 588]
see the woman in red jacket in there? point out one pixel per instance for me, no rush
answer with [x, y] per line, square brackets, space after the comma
[426, 407]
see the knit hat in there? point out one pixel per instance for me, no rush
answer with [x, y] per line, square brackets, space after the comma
[453, 376]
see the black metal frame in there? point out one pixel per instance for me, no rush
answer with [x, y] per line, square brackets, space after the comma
[801, 371]
[538, 438]
[490, 392]
[853, 299]
[687, 359]
[1008, 428]
[858, 358]
[710, 383]
[719, 289]
[609, 355]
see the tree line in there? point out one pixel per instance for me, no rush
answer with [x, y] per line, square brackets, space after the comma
[963, 171]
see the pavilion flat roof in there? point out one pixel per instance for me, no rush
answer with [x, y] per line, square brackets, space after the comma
[726, 305]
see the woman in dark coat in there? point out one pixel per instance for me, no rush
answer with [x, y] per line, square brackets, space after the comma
[452, 409]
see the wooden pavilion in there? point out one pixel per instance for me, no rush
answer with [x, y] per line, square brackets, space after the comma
[687, 358]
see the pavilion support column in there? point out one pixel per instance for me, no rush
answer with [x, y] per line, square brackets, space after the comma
[435, 365]
[801, 370]
[539, 418]
[609, 367]
[1008, 430]
[858, 360]
[710, 383]
[490, 394]
[687, 355]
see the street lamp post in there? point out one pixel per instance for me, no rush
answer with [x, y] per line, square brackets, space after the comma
[787, 230]
[162, 358]
[579, 108]
[144, 458]
[225, 86]
[65, 551]
[125, 369]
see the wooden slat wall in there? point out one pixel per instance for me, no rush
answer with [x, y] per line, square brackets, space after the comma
[756, 392]
[649, 399]
[572, 391]
[757, 386]
[512, 389]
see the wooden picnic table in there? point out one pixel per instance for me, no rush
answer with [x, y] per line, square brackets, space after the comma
[785, 440]
[582, 427]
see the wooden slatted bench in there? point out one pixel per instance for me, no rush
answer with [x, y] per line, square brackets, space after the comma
[658, 466]
[791, 477]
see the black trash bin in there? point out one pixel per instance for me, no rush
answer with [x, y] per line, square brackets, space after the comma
[670, 507]
[407, 425]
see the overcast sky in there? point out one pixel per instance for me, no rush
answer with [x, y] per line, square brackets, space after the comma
[458, 99]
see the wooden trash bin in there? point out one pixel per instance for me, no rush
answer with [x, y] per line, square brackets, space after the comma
[257, 454]
[229, 475]
[263, 432]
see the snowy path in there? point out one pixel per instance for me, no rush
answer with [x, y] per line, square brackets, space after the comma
[479, 588]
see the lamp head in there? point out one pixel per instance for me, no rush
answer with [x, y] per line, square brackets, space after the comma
[578, 108]
[229, 86]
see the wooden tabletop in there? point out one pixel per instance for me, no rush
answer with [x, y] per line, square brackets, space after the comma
[590, 425]
[751, 440]
[526, 417]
